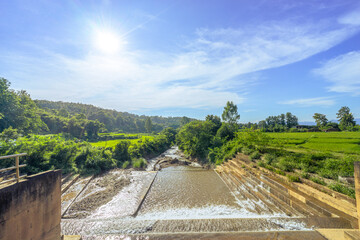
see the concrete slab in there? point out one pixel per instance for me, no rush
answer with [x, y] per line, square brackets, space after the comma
[71, 237]
[337, 234]
[283, 235]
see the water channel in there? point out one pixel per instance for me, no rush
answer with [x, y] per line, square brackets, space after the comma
[181, 199]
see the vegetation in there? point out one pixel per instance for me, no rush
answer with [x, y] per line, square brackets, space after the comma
[87, 139]
[324, 155]
[62, 151]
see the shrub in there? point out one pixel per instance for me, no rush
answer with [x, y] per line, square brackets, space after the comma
[269, 158]
[278, 171]
[305, 175]
[255, 155]
[121, 152]
[293, 178]
[125, 164]
[342, 189]
[318, 181]
[246, 150]
[139, 163]
[286, 164]
[261, 164]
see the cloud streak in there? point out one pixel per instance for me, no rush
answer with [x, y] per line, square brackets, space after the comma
[343, 72]
[310, 102]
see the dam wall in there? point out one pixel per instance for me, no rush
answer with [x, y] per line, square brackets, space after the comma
[31, 209]
[294, 198]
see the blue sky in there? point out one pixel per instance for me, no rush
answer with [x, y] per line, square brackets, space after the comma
[175, 58]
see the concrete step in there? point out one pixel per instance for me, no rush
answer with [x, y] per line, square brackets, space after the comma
[308, 207]
[293, 235]
[352, 235]
[134, 226]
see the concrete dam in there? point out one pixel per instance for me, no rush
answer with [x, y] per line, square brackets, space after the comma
[180, 201]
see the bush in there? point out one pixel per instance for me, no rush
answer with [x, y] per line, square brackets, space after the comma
[139, 163]
[269, 158]
[255, 155]
[246, 150]
[305, 175]
[342, 189]
[125, 164]
[293, 178]
[278, 171]
[286, 164]
[318, 181]
[261, 164]
[121, 152]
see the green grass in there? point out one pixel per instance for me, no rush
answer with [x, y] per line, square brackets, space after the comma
[113, 143]
[340, 142]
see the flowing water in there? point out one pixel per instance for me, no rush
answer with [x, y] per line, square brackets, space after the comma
[184, 199]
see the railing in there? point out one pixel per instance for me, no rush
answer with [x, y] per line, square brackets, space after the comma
[16, 167]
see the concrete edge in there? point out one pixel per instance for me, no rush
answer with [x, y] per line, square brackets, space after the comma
[144, 196]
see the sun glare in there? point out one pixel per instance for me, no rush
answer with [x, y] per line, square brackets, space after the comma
[108, 42]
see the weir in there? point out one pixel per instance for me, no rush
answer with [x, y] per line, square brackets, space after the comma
[234, 200]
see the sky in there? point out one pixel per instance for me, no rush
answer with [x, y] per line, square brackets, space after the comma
[186, 57]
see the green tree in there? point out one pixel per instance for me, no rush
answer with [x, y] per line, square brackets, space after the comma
[291, 120]
[184, 120]
[121, 152]
[216, 120]
[195, 138]
[345, 118]
[148, 125]
[230, 113]
[9, 134]
[75, 128]
[92, 128]
[320, 119]
[63, 113]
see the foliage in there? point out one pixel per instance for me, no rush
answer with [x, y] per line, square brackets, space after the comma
[195, 138]
[148, 125]
[345, 118]
[121, 152]
[320, 119]
[230, 113]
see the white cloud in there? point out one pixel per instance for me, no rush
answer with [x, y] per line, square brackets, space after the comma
[343, 72]
[309, 102]
[217, 65]
[352, 18]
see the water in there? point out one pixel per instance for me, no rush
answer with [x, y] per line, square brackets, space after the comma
[184, 199]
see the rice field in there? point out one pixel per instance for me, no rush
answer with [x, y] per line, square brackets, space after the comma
[340, 142]
[113, 143]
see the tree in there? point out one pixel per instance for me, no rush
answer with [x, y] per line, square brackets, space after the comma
[230, 113]
[195, 138]
[345, 118]
[121, 152]
[148, 124]
[184, 120]
[226, 131]
[291, 120]
[92, 128]
[262, 125]
[320, 119]
[216, 120]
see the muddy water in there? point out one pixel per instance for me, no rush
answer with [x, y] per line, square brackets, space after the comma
[182, 199]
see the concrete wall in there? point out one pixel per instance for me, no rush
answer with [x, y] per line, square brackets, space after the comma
[31, 209]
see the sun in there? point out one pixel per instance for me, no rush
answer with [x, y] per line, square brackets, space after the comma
[108, 42]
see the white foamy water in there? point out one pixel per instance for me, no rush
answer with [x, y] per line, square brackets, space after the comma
[127, 200]
[207, 212]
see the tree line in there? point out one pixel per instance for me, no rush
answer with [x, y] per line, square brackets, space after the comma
[18, 111]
